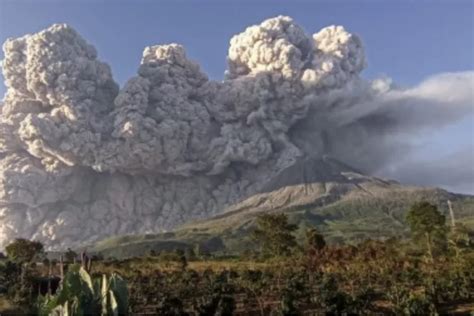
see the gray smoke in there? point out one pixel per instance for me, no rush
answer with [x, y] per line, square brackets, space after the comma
[81, 159]
[454, 171]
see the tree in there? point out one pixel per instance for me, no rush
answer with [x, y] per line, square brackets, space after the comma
[462, 235]
[46, 262]
[189, 254]
[70, 255]
[23, 250]
[314, 240]
[183, 262]
[428, 224]
[460, 238]
[274, 234]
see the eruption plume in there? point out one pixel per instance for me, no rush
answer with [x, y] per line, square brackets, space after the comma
[81, 159]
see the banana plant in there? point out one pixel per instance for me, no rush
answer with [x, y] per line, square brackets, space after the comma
[80, 295]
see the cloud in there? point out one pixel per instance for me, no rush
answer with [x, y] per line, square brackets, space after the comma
[383, 126]
[81, 159]
[454, 171]
[436, 102]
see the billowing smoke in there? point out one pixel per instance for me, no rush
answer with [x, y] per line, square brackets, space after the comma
[81, 159]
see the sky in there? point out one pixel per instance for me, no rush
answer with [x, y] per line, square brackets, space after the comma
[439, 33]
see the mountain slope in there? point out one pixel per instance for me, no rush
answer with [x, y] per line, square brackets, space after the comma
[344, 204]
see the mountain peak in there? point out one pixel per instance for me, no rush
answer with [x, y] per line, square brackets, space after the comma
[310, 170]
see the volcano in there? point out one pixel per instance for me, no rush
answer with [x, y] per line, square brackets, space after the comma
[341, 202]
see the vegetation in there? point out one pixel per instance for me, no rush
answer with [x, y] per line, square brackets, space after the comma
[23, 251]
[273, 234]
[428, 224]
[430, 273]
[314, 240]
[70, 255]
[348, 221]
[79, 294]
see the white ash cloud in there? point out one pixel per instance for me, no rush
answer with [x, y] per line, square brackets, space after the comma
[81, 159]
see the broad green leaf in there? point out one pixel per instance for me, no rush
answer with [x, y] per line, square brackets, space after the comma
[113, 304]
[103, 294]
[86, 278]
[119, 287]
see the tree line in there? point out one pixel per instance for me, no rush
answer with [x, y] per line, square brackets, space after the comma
[430, 274]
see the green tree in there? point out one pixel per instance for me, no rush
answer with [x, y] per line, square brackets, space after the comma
[70, 255]
[462, 235]
[314, 240]
[183, 262]
[460, 238]
[23, 250]
[189, 254]
[274, 234]
[428, 224]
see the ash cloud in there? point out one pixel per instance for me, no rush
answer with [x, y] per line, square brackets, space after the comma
[454, 171]
[81, 159]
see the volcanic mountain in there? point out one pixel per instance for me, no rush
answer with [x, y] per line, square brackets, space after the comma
[83, 158]
[341, 202]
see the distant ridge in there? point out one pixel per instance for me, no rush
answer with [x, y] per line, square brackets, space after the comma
[340, 201]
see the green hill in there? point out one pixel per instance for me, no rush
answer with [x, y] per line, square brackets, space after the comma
[345, 205]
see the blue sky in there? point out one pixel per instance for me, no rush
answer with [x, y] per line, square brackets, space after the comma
[439, 33]
[405, 40]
